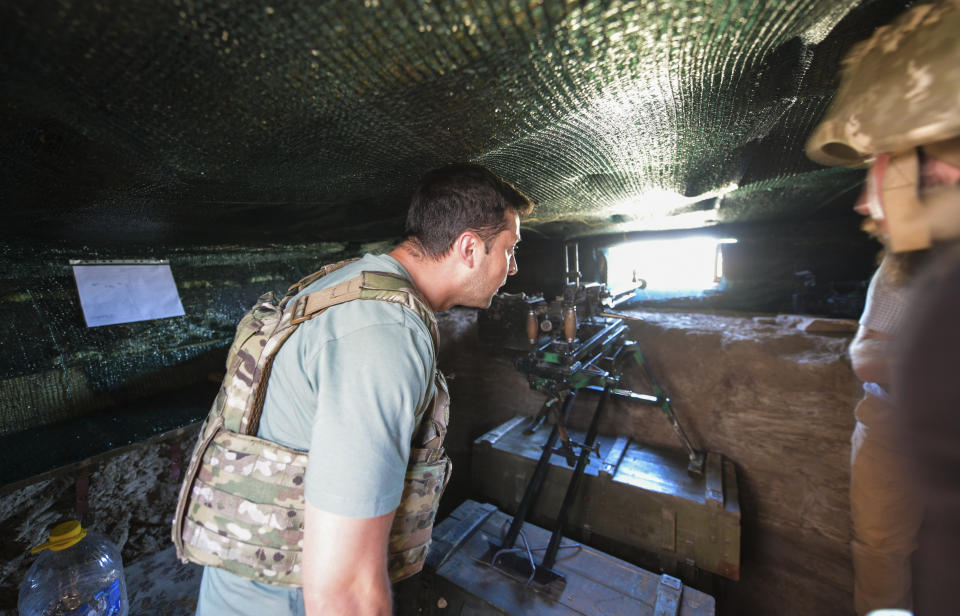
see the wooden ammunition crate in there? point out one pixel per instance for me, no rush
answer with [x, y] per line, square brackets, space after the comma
[635, 501]
[458, 580]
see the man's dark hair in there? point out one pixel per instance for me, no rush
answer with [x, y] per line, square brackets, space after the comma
[457, 198]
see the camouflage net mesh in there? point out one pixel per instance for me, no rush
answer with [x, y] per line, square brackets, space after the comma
[134, 129]
[54, 367]
[197, 116]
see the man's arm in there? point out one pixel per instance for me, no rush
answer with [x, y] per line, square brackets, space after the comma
[345, 564]
[870, 354]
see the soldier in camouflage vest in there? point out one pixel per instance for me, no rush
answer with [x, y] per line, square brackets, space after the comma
[317, 474]
[896, 112]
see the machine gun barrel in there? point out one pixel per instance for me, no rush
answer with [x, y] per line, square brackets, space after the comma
[609, 332]
[558, 365]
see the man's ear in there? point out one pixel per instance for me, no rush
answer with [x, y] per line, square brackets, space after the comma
[465, 248]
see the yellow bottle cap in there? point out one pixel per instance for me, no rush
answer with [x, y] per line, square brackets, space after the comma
[62, 536]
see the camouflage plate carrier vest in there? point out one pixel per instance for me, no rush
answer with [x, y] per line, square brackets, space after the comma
[241, 504]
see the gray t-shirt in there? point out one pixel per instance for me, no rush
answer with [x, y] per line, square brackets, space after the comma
[884, 311]
[350, 387]
[885, 306]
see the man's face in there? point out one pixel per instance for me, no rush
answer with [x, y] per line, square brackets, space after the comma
[869, 205]
[888, 212]
[494, 264]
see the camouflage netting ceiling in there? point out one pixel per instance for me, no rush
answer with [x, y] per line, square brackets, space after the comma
[213, 120]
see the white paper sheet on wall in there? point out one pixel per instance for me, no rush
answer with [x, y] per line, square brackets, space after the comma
[114, 292]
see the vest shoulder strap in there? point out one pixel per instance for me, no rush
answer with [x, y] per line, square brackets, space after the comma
[317, 275]
[369, 285]
[381, 286]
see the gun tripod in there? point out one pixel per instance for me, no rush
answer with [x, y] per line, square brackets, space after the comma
[563, 369]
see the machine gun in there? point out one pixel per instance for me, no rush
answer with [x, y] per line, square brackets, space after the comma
[576, 344]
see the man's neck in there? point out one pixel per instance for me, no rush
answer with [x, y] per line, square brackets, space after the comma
[430, 276]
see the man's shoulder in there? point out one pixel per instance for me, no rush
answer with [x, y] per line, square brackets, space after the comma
[368, 262]
[343, 319]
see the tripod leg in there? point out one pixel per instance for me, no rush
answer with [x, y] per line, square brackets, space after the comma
[696, 458]
[551, 555]
[536, 482]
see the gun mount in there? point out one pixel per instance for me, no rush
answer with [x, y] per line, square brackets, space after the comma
[574, 344]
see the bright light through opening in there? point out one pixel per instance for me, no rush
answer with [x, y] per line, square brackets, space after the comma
[672, 267]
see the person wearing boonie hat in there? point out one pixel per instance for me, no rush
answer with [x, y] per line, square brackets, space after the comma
[896, 113]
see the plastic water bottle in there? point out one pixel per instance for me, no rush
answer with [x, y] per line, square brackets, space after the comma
[79, 573]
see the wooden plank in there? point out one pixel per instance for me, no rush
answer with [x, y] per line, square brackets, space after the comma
[668, 596]
[612, 461]
[451, 538]
[626, 513]
[713, 493]
[596, 583]
[732, 501]
[497, 433]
